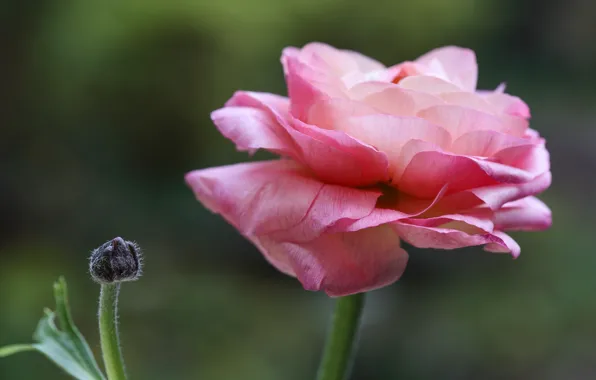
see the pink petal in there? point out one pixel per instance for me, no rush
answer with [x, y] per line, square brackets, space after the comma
[471, 221]
[345, 66]
[257, 198]
[451, 236]
[461, 120]
[392, 99]
[486, 143]
[527, 214]
[276, 257]
[280, 199]
[506, 245]
[532, 158]
[494, 196]
[505, 103]
[459, 65]
[341, 159]
[390, 133]
[499, 90]
[387, 133]
[344, 263]
[428, 84]
[330, 113]
[308, 84]
[338, 61]
[333, 208]
[534, 136]
[334, 156]
[469, 100]
[252, 129]
[429, 171]
[391, 209]
[405, 69]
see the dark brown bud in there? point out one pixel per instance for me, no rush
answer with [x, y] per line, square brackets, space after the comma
[116, 261]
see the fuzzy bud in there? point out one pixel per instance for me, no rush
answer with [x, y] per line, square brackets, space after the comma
[115, 261]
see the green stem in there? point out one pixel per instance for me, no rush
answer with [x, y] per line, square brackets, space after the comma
[108, 331]
[339, 349]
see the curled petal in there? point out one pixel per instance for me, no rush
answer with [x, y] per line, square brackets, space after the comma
[307, 84]
[505, 245]
[452, 235]
[527, 214]
[429, 171]
[333, 155]
[339, 158]
[494, 197]
[252, 129]
[532, 158]
[257, 198]
[343, 263]
[286, 214]
[389, 210]
[280, 199]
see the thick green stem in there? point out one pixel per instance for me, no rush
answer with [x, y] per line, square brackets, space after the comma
[339, 349]
[108, 331]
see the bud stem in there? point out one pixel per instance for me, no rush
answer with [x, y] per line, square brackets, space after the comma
[339, 349]
[108, 331]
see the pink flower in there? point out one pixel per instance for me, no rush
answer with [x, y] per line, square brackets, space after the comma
[373, 155]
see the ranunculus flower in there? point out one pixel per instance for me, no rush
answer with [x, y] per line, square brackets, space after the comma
[374, 155]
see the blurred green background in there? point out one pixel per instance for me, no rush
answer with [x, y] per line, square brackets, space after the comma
[105, 105]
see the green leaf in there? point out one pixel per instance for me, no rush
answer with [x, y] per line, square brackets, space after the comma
[66, 347]
[69, 327]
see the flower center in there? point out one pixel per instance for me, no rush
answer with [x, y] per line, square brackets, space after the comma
[405, 70]
[389, 198]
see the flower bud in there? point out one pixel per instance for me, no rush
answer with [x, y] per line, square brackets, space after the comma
[115, 261]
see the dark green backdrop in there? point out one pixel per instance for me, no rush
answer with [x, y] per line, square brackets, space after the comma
[104, 105]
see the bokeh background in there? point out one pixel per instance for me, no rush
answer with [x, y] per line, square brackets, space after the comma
[105, 105]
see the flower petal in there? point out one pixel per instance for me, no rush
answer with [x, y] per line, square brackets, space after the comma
[281, 200]
[333, 155]
[339, 158]
[333, 208]
[428, 84]
[469, 100]
[344, 263]
[458, 63]
[257, 198]
[461, 120]
[506, 245]
[486, 143]
[532, 158]
[454, 235]
[527, 214]
[505, 103]
[252, 129]
[307, 84]
[339, 62]
[392, 99]
[389, 133]
[429, 171]
[494, 197]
